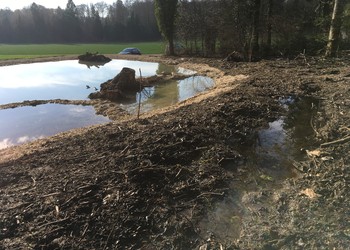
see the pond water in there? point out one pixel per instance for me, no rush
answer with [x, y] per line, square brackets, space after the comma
[167, 94]
[62, 79]
[25, 124]
[69, 80]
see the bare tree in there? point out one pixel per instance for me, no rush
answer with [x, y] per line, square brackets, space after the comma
[102, 8]
[334, 31]
[254, 42]
[269, 26]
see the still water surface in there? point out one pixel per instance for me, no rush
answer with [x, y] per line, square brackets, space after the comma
[25, 124]
[69, 80]
[63, 79]
[164, 95]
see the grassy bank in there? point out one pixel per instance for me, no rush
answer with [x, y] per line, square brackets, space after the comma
[21, 51]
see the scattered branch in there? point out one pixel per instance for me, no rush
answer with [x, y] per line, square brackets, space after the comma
[343, 140]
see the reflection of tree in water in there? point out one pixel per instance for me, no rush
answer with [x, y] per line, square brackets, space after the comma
[298, 123]
[280, 144]
[170, 92]
[166, 93]
[194, 85]
[164, 68]
[92, 64]
[146, 93]
[200, 83]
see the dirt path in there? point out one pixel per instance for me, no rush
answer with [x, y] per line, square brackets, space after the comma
[148, 183]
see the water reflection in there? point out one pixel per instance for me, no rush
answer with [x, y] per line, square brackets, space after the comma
[164, 95]
[193, 85]
[90, 65]
[25, 124]
[267, 164]
[284, 140]
[75, 81]
[61, 80]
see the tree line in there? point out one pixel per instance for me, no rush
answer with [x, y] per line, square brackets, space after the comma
[252, 28]
[120, 22]
[256, 28]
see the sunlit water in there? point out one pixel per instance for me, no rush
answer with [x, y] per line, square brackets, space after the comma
[169, 93]
[63, 79]
[72, 80]
[25, 124]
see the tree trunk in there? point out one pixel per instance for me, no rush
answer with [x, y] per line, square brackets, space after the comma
[254, 42]
[334, 31]
[165, 12]
[171, 46]
[269, 27]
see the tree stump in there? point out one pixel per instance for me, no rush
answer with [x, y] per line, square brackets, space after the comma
[125, 81]
[120, 87]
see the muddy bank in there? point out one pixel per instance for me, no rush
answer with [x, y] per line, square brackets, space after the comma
[147, 183]
[106, 108]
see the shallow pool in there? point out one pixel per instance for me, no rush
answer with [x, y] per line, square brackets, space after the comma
[25, 124]
[164, 95]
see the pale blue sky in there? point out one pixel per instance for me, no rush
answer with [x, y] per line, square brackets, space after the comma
[19, 4]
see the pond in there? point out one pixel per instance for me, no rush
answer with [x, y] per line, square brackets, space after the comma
[72, 80]
[62, 79]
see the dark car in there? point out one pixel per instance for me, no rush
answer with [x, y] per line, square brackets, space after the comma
[130, 51]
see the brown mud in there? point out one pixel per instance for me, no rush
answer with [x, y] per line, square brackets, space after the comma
[148, 183]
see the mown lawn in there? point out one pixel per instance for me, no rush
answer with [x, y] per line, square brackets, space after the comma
[10, 51]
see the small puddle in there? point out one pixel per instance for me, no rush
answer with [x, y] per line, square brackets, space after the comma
[267, 163]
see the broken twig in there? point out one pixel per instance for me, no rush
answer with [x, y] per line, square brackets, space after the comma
[343, 140]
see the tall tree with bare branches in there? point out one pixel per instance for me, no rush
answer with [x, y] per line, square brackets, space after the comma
[334, 31]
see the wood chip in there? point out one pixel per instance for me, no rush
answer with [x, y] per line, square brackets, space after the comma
[313, 153]
[310, 193]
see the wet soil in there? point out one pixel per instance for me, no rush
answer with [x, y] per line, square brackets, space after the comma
[148, 183]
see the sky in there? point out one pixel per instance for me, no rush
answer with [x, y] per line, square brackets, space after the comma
[19, 4]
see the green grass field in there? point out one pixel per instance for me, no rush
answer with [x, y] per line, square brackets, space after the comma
[20, 51]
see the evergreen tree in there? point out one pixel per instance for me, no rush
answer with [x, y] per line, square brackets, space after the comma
[165, 11]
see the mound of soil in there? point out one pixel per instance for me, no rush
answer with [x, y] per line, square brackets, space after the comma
[147, 183]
